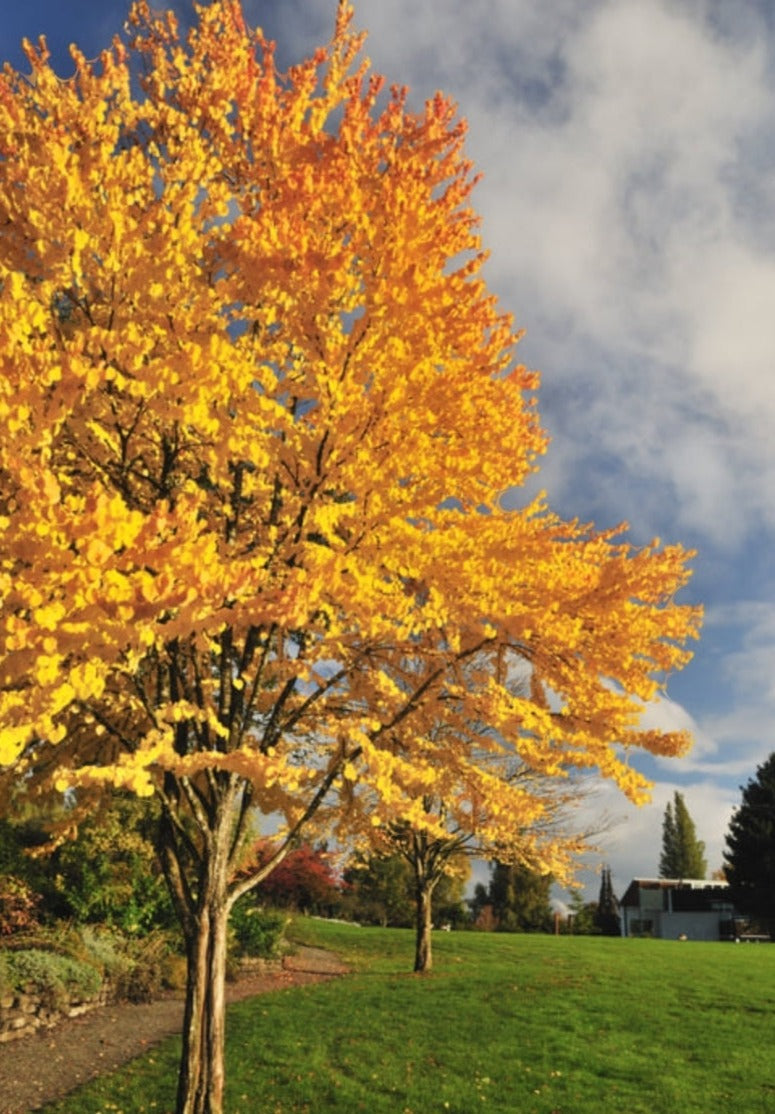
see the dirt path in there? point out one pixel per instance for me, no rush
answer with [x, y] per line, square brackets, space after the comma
[42, 1068]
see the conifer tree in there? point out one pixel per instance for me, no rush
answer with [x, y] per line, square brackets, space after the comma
[683, 854]
[520, 898]
[749, 858]
[607, 915]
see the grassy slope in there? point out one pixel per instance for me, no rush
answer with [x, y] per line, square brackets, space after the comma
[528, 1024]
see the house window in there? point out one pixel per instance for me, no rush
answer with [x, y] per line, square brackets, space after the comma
[641, 928]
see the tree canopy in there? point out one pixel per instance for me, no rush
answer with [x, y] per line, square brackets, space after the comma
[258, 413]
[683, 854]
[749, 858]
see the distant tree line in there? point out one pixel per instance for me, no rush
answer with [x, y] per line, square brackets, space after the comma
[110, 875]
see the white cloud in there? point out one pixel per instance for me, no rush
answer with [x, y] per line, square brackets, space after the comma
[629, 202]
[746, 631]
[664, 714]
[616, 142]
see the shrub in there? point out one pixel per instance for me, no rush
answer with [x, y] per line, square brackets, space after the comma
[105, 948]
[62, 939]
[135, 969]
[304, 881]
[18, 905]
[173, 972]
[257, 932]
[58, 978]
[150, 967]
[110, 875]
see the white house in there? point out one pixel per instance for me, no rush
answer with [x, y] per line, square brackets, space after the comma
[677, 908]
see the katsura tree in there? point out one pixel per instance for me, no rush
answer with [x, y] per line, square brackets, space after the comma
[453, 834]
[380, 887]
[431, 858]
[683, 854]
[423, 858]
[258, 411]
[460, 821]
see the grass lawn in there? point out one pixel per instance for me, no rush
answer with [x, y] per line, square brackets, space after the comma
[507, 1024]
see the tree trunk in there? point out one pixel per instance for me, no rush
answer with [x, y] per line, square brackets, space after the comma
[423, 957]
[200, 1083]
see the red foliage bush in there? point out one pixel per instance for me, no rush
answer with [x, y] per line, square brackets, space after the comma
[304, 880]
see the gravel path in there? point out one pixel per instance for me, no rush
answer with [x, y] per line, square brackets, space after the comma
[41, 1068]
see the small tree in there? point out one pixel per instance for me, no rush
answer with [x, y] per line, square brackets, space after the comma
[582, 916]
[749, 858]
[381, 888]
[520, 898]
[304, 881]
[683, 854]
[378, 889]
[456, 827]
[432, 858]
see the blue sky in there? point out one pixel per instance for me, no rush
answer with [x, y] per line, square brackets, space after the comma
[628, 150]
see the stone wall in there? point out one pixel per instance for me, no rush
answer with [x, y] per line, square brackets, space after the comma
[23, 1012]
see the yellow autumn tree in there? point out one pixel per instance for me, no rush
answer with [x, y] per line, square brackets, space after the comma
[257, 412]
[505, 807]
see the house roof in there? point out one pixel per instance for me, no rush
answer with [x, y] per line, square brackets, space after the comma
[692, 892]
[671, 883]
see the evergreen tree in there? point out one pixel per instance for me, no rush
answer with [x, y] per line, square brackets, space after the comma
[607, 914]
[520, 899]
[582, 917]
[666, 868]
[683, 854]
[379, 889]
[749, 859]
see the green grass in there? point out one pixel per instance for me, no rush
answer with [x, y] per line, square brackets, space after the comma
[527, 1024]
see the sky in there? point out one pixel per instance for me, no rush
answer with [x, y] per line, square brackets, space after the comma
[628, 201]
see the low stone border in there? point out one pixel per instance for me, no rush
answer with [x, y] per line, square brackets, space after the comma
[23, 1012]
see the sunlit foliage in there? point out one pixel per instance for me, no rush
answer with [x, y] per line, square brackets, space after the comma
[258, 412]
